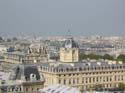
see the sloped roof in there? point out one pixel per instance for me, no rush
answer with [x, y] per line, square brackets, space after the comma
[70, 43]
[26, 71]
[58, 88]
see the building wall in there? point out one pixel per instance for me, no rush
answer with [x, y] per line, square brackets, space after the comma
[50, 78]
[33, 87]
[85, 79]
[27, 58]
[69, 55]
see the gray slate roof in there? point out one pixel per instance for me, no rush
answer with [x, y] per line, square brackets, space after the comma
[26, 71]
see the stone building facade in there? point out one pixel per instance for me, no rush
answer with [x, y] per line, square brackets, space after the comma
[86, 74]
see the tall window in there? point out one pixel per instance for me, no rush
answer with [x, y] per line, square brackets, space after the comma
[77, 80]
[26, 89]
[73, 81]
[69, 81]
[59, 81]
[64, 81]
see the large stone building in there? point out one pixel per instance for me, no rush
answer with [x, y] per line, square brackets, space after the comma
[86, 74]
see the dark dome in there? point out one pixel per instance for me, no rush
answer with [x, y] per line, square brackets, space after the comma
[70, 43]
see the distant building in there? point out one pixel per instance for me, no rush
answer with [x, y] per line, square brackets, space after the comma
[25, 54]
[69, 71]
[37, 49]
[3, 49]
[34, 54]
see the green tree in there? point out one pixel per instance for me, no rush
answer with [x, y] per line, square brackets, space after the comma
[121, 57]
[94, 56]
[121, 86]
[83, 56]
[99, 86]
[107, 56]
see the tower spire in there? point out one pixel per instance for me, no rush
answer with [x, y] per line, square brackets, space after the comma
[69, 33]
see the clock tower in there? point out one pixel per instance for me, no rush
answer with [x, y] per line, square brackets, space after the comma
[69, 52]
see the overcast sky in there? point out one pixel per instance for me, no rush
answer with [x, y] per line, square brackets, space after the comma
[55, 17]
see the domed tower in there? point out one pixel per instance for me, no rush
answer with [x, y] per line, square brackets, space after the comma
[69, 52]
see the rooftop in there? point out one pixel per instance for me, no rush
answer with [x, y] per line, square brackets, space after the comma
[59, 89]
[70, 43]
[83, 65]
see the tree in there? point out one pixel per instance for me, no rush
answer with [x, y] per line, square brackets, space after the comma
[99, 86]
[83, 56]
[121, 57]
[94, 56]
[107, 56]
[121, 86]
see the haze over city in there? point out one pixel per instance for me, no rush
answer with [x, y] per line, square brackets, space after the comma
[62, 46]
[55, 17]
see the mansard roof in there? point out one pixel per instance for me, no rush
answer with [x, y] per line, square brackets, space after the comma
[70, 43]
[24, 71]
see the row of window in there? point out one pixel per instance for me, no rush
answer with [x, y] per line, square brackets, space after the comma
[92, 73]
[31, 89]
[83, 69]
[92, 86]
[91, 80]
[19, 89]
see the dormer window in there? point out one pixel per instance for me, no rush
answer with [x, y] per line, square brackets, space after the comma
[33, 77]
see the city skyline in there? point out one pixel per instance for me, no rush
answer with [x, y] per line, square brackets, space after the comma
[54, 18]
